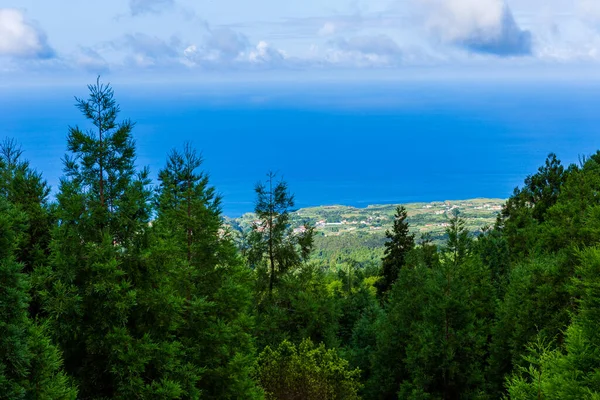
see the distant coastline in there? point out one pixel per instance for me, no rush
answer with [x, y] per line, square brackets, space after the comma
[429, 218]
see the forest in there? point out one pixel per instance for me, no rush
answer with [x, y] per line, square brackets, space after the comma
[117, 287]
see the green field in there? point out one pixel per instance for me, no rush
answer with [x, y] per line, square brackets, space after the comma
[343, 231]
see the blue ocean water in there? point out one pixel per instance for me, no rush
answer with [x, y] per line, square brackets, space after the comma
[345, 143]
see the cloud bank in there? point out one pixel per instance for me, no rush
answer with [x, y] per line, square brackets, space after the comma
[484, 26]
[22, 38]
[388, 34]
[364, 51]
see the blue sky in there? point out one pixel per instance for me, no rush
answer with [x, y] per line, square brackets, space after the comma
[63, 39]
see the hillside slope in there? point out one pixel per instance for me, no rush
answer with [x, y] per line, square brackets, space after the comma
[343, 231]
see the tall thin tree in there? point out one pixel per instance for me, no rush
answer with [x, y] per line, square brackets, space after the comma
[399, 242]
[272, 238]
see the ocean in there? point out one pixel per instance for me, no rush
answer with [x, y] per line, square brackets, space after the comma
[334, 143]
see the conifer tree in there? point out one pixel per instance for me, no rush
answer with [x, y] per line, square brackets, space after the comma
[399, 242]
[30, 366]
[543, 188]
[570, 370]
[112, 315]
[215, 329]
[459, 244]
[26, 190]
[272, 240]
[432, 341]
[394, 330]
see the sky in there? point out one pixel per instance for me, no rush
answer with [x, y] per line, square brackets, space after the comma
[231, 74]
[50, 41]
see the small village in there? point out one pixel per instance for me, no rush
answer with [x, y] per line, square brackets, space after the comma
[424, 218]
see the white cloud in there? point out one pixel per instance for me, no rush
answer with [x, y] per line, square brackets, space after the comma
[22, 38]
[145, 51]
[485, 26]
[220, 47]
[227, 42]
[264, 53]
[387, 34]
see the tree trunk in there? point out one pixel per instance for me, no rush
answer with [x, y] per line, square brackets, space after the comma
[271, 255]
[100, 159]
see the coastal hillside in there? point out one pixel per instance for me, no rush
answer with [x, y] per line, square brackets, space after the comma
[344, 232]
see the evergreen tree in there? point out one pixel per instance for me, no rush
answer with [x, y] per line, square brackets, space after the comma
[536, 303]
[459, 244]
[492, 248]
[272, 240]
[30, 366]
[528, 207]
[399, 242]
[112, 314]
[446, 355]
[216, 328]
[394, 328]
[25, 189]
[543, 188]
[301, 307]
[573, 221]
[571, 370]
[432, 341]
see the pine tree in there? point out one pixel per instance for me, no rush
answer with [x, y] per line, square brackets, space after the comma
[459, 244]
[272, 240]
[107, 307]
[543, 188]
[432, 342]
[25, 189]
[399, 242]
[215, 329]
[14, 353]
[569, 370]
[394, 329]
[30, 366]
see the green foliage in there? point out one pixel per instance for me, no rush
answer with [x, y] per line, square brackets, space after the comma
[393, 333]
[213, 285]
[47, 380]
[144, 294]
[306, 372]
[432, 341]
[400, 242]
[570, 371]
[355, 292]
[273, 242]
[101, 295]
[26, 190]
[535, 304]
[30, 366]
[459, 244]
[543, 188]
[363, 342]
[573, 221]
[14, 324]
[492, 248]
[301, 306]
